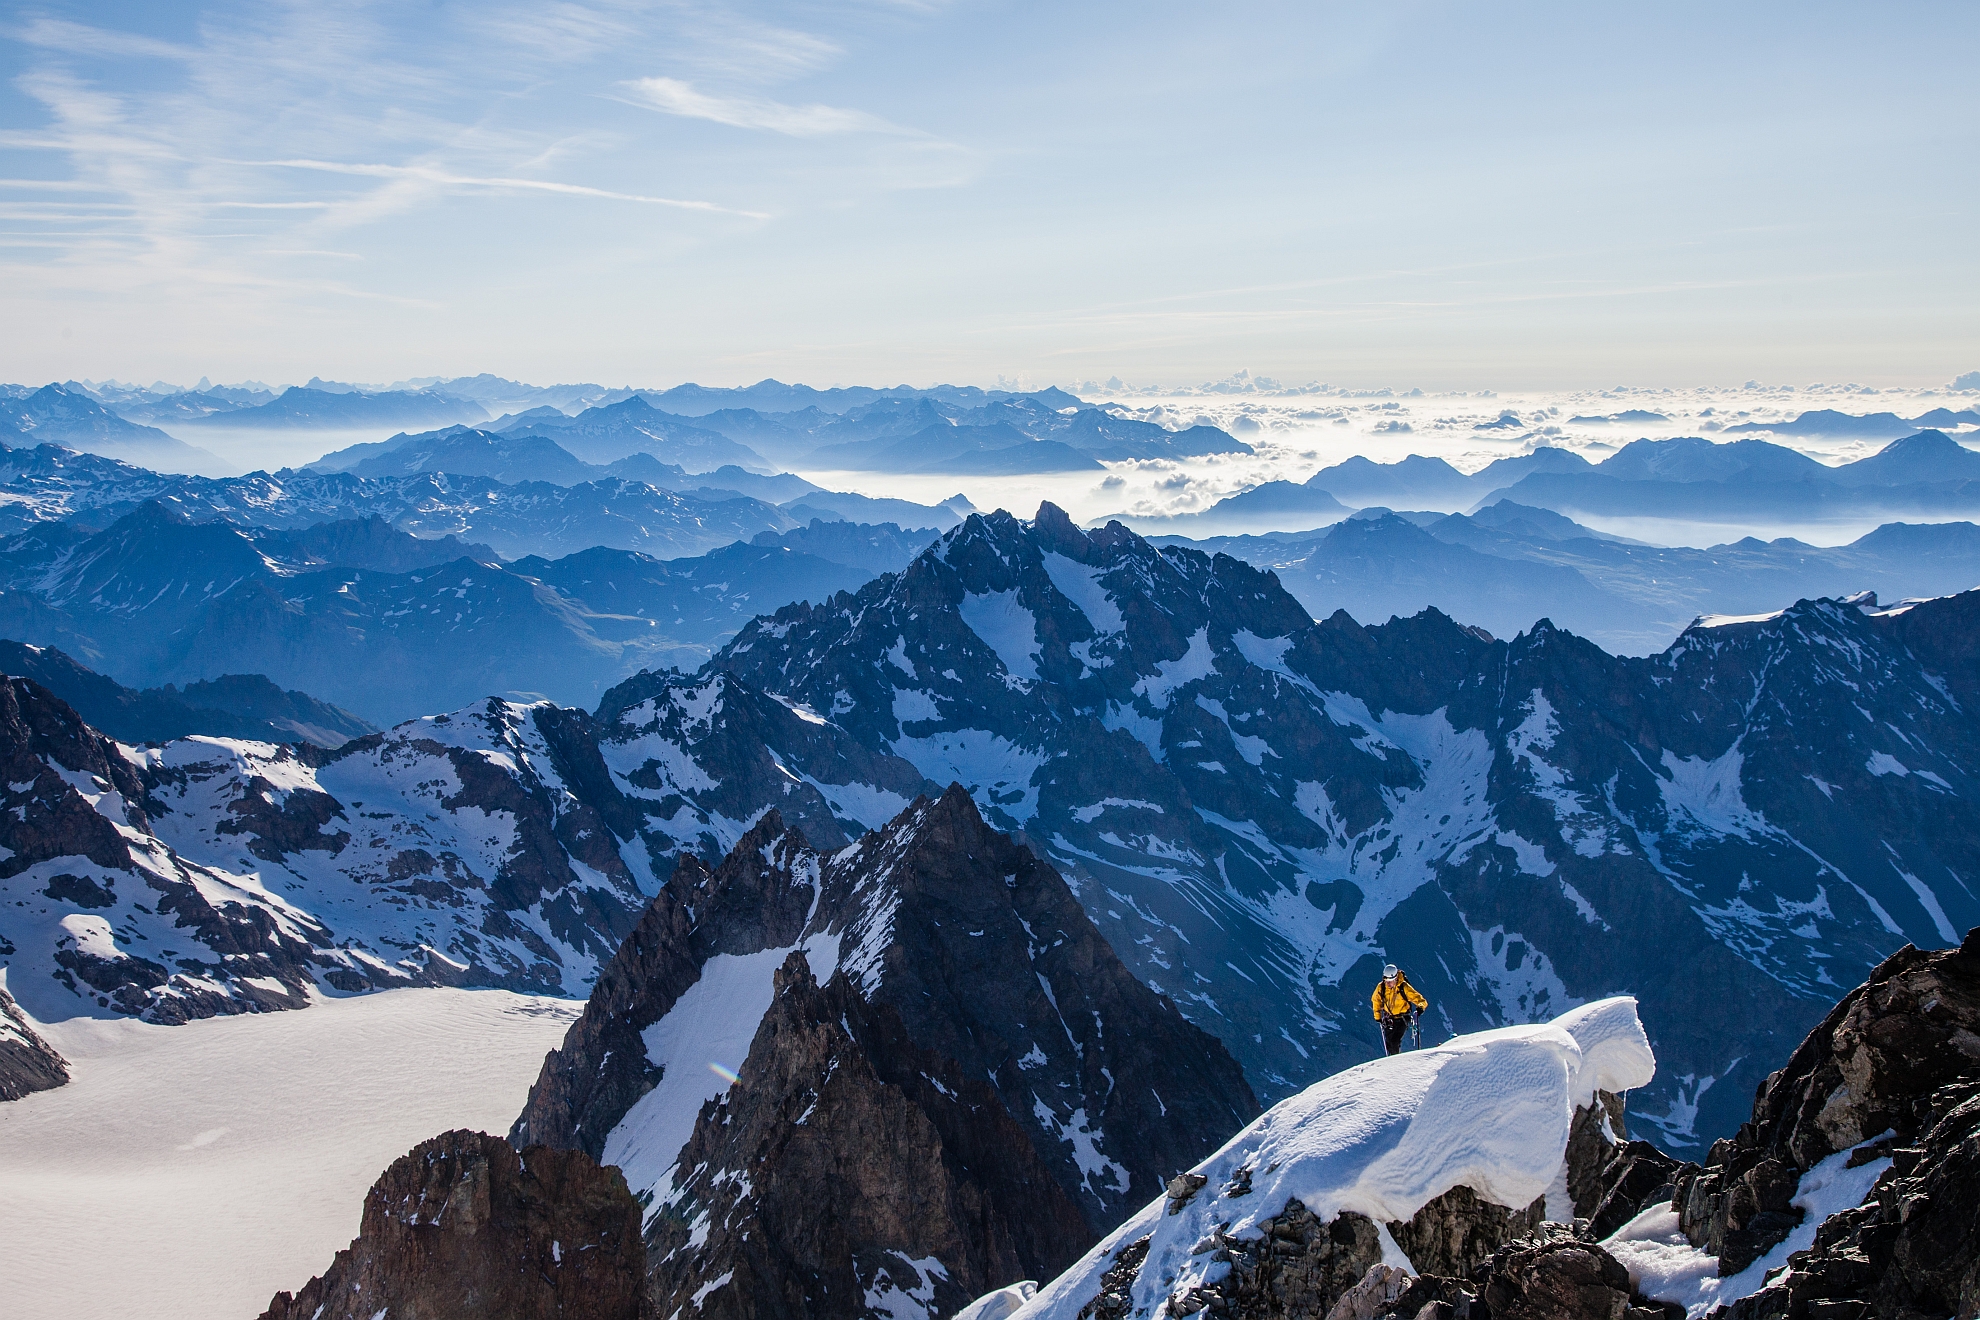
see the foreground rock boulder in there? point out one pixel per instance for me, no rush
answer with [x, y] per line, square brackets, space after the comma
[1563, 1279]
[464, 1228]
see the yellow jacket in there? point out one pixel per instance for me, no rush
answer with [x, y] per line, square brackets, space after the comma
[1398, 1001]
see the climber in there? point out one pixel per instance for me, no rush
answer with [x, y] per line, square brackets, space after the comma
[1397, 1005]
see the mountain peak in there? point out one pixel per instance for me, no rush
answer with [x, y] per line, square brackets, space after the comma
[936, 982]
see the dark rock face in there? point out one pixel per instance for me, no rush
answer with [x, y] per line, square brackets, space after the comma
[1635, 1175]
[955, 1083]
[877, 1168]
[1592, 1139]
[27, 1062]
[464, 1228]
[1611, 1178]
[1872, 1066]
[1509, 820]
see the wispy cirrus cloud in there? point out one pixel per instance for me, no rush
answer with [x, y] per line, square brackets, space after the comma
[81, 39]
[428, 174]
[674, 97]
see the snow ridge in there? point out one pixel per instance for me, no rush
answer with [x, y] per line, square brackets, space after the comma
[1489, 1111]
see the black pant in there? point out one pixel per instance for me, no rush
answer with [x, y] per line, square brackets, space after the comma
[1394, 1029]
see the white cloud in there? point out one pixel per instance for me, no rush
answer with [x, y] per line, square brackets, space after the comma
[564, 32]
[79, 39]
[674, 97]
[755, 51]
[427, 174]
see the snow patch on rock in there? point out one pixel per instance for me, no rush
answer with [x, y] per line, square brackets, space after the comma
[1080, 584]
[1007, 628]
[1664, 1265]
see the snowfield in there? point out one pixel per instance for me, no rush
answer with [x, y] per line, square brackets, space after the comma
[192, 1171]
[1490, 1110]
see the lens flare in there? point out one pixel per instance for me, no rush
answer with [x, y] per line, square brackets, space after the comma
[725, 1074]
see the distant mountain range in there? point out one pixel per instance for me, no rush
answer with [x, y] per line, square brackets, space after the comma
[56, 415]
[47, 483]
[389, 625]
[1926, 473]
[301, 408]
[1828, 422]
[1506, 565]
[1010, 435]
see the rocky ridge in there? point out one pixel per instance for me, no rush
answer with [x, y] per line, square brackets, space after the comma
[1425, 1181]
[1892, 1073]
[938, 1075]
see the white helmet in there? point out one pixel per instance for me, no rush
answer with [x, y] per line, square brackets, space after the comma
[1389, 973]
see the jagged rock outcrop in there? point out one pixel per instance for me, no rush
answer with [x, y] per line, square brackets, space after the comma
[1912, 1250]
[464, 1228]
[1899, 1055]
[1872, 1066]
[1459, 1230]
[908, 1067]
[27, 1062]
[1610, 1178]
[1551, 1273]
[1299, 1266]
[1592, 1138]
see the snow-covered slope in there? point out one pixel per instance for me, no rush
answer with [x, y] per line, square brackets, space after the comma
[504, 844]
[1489, 1111]
[1260, 810]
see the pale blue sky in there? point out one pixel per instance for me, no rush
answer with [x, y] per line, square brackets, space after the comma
[1444, 195]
